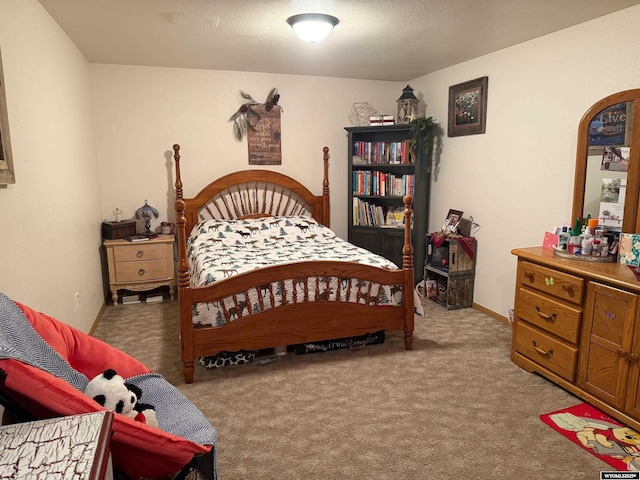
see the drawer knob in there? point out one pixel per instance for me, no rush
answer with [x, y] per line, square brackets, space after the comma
[544, 316]
[634, 357]
[610, 316]
[528, 274]
[141, 272]
[544, 353]
[566, 287]
[139, 254]
[623, 353]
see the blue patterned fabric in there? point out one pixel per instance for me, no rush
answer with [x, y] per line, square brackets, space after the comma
[20, 341]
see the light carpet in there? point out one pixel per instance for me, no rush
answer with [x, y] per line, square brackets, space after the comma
[454, 407]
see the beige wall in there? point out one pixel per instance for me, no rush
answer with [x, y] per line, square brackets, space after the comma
[87, 138]
[140, 112]
[50, 217]
[516, 180]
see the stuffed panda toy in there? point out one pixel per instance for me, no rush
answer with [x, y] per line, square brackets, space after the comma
[111, 391]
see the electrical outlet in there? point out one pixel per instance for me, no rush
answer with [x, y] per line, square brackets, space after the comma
[77, 297]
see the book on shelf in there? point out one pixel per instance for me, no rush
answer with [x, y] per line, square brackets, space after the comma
[380, 120]
[382, 184]
[382, 153]
[155, 298]
[138, 238]
[367, 214]
[395, 218]
[128, 299]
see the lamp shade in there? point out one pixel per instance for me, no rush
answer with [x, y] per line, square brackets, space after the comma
[146, 212]
[312, 27]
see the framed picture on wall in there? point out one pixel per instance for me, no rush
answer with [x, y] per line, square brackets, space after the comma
[468, 107]
[7, 175]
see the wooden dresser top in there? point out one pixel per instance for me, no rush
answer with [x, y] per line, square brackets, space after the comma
[613, 274]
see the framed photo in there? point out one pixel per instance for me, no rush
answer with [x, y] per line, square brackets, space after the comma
[468, 107]
[611, 127]
[615, 159]
[7, 175]
[451, 224]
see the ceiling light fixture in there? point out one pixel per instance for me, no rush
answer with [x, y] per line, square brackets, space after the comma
[312, 27]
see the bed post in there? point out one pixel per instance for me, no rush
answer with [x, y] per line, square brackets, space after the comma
[184, 291]
[326, 217]
[407, 265]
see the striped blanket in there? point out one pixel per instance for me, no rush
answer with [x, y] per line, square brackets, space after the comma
[20, 341]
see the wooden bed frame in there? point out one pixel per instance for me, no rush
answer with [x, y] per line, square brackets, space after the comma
[237, 196]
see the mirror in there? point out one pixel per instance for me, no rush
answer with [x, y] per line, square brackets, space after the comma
[607, 176]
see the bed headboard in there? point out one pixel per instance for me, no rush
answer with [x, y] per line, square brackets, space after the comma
[251, 194]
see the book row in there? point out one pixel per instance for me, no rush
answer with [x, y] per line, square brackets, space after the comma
[382, 153]
[370, 215]
[366, 182]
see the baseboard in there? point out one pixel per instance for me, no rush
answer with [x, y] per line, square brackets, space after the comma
[94, 325]
[491, 313]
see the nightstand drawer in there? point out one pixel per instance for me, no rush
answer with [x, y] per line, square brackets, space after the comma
[553, 316]
[141, 271]
[546, 351]
[550, 281]
[130, 253]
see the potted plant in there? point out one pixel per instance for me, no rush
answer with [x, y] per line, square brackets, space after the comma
[423, 133]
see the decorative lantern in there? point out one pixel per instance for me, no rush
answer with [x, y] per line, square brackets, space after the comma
[407, 106]
[146, 212]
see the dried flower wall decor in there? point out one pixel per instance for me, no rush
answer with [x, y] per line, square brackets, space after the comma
[260, 123]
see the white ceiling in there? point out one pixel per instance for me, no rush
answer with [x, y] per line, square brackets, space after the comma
[375, 39]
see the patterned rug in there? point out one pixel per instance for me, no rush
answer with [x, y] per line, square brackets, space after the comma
[599, 434]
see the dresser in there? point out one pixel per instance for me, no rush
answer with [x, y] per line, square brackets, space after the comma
[577, 324]
[74, 447]
[140, 266]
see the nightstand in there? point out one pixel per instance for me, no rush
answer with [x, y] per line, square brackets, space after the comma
[140, 266]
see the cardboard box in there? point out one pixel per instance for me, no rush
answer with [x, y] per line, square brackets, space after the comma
[122, 229]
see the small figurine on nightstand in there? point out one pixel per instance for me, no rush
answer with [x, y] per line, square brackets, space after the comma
[145, 212]
[117, 212]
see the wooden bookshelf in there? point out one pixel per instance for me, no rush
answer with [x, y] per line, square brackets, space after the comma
[381, 171]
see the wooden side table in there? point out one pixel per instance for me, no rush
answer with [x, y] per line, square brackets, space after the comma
[140, 266]
[74, 447]
[449, 272]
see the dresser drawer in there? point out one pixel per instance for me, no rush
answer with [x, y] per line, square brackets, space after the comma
[130, 253]
[562, 285]
[129, 272]
[551, 315]
[546, 350]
